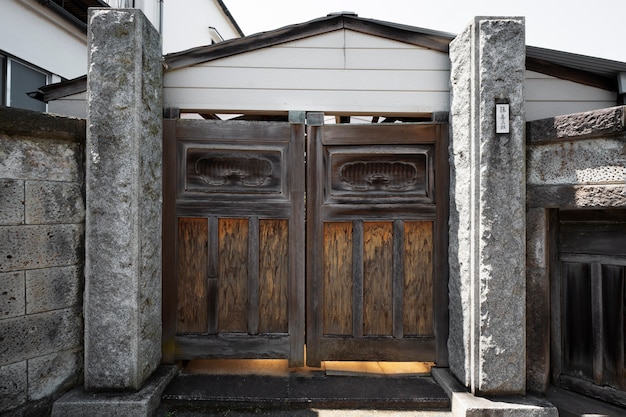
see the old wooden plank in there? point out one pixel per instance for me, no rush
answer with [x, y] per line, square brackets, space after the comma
[418, 278]
[253, 274]
[398, 279]
[597, 324]
[231, 346]
[296, 245]
[213, 273]
[233, 275]
[377, 278]
[379, 349]
[192, 274]
[273, 275]
[337, 278]
[357, 278]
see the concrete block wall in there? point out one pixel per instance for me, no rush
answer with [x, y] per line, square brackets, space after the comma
[574, 161]
[42, 216]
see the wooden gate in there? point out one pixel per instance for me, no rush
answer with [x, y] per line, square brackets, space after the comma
[376, 243]
[234, 241]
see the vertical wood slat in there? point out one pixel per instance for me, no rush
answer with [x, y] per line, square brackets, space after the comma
[253, 275]
[596, 319]
[337, 278]
[233, 279]
[418, 278]
[192, 273]
[398, 279]
[273, 248]
[377, 278]
[213, 267]
[296, 245]
[357, 278]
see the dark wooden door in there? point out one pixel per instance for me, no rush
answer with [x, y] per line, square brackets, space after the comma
[590, 303]
[233, 240]
[376, 242]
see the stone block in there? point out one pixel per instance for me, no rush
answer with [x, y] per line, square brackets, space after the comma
[536, 237]
[460, 237]
[577, 196]
[143, 403]
[40, 159]
[488, 208]
[123, 223]
[54, 202]
[11, 201]
[53, 288]
[51, 374]
[26, 123]
[41, 334]
[595, 123]
[538, 329]
[588, 161]
[12, 298]
[31, 247]
[13, 389]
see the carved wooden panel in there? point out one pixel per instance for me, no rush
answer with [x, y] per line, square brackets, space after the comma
[384, 173]
[218, 170]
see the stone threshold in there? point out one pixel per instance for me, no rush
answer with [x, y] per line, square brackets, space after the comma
[464, 404]
[143, 403]
[299, 391]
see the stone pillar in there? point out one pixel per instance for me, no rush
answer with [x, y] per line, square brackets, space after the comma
[487, 343]
[123, 181]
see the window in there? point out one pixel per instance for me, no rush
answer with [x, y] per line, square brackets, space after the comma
[17, 79]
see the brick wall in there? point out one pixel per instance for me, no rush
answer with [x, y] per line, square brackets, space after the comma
[42, 215]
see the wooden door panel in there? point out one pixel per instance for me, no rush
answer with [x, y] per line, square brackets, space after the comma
[192, 266]
[236, 190]
[338, 287]
[273, 276]
[374, 205]
[418, 278]
[377, 276]
[232, 282]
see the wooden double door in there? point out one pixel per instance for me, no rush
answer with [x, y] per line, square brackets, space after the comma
[279, 235]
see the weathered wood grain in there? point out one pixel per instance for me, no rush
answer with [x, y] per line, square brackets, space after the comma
[337, 278]
[233, 276]
[273, 275]
[418, 278]
[377, 278]
[192, 275]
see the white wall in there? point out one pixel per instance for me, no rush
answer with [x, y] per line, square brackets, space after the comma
[186, 24]
[548, 96]
[340, 71]
[34, 33]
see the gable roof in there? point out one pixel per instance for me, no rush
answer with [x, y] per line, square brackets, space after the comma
[595, 72]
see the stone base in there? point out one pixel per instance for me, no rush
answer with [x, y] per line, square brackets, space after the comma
[464, 404]
[143, 403]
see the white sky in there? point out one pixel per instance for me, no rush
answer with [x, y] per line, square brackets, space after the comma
[596, 28]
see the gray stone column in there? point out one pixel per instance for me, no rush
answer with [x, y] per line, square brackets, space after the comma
[487, 342]
[123, 222]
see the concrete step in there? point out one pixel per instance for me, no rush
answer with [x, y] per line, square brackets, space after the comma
[340, 395]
